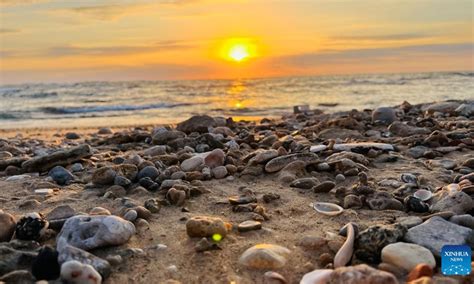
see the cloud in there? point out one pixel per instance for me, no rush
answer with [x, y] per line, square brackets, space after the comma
[9, 31]
[19, 2]
[388, 37]
[376, 54]
[116, 50]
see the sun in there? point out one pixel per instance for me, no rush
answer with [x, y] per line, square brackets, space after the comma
[239, 52]
[238, 49]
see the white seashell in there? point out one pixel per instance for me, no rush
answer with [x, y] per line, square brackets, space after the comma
[344, 254]
[318, 276]
[326, 208]
[423, 194]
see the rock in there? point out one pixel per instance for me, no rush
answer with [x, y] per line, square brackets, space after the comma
[401, 129]
[384, 201]
[203, 226]
[7, 226]
[152, 205]
[105, 131]
[192, 164]
[75, 272]
[176, 196]
[77, 167]
[269, 197]
[361, 274]
[352, 201]
[69, 253]
[272, 277]
[419, 271]
[204, 245]
[443, 107]
[59, 158]
[99, 211]
[340, 178]
[457, 202]
[249, 226]
[31, 227]
[385, 115]
[304, 183]
[339, 133]
[60, 175]
[155, 151]
[370, 242]
[465, 220]
[436, 232]
[163, 137]
[89, 232]
[197, 123]
[104, 176]
[122, 181]
[17, 276]
[363, 147]
[416, 205]
[407, 256]
[219, 172]
[264, 256]
[13, 257]
[72, 135]
[263, 156]
[410, 221]
[131, 215]
[149, 171]
[46, 266]
[466, 110]
[61, 212]
[215, 158]
[279, 163]
[418, 151]
[324, 187]
[242, 199]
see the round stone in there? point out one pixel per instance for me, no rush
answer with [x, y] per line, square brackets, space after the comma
[203, 226]
[219, 172]
[264, 256]
[384, 114]
[407, 256]
[249, 226]
[323, 187]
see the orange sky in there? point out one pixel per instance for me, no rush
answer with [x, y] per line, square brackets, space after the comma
[48, 41]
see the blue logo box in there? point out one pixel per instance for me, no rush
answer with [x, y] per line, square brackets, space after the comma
[456, 260]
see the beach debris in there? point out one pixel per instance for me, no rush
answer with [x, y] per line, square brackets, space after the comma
[264, 256]
[329, 209]
[59, 158]
[423, 194]
[31, 227]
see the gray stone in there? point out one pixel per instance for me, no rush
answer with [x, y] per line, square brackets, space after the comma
[436, 232]
[12, 258]
[263, 156]
[370, 242]
[465, 220]
[59, 158]
[69, 253]
[279, 163]
[89, 232]
[60, 175]
[219, 172]
[384, 114]
[457, 202]
[407, 256]
[249, 226]
[264, 256]
[192, 164]
[155, 151]
[197, 123]
[61, 212]
[149, 171]
[163, 137]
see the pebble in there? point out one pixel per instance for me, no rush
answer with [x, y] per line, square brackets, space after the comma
[75, 272]
[77, 167]
[105, 131]
[370, 242]
[131, 215]
[249, 226]
[324, 187]
[436, 232]
[465, 220]
[204, 226]
[149, 171]
[264, 256]
[340, 178]
[99, 211]
[219, 172]
[407, 256]
[197, 123]
[60, 175]
[61, 212]
[176, 196]
[385, 115]
[152, 205]
[72, 136]
[69, 253]
[31, 227]
[457, 202]
[416, 205]
[101, 231]
[419, 271]
[279, 163]
[352, 201]
[215, 158]
[7, 226]
[59, 158]
[104, 176]
[192, 164]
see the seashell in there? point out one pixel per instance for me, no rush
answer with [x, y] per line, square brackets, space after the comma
[453, 187]
[423, 194]
[274, 277]
[344, 254]
[409, 178]
[318, 276]
[326, 208]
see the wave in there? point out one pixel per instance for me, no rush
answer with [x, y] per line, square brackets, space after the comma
[464, 74]
[381, 82]
[91, 109]
[40, 95]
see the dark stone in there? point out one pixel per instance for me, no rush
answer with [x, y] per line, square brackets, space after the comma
[60, 175]
[416, 205]
[30, 227]
[197, 123]
[59, 158]
[149, 171]
[46, 266]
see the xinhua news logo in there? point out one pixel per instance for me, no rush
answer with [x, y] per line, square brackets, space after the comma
[456, 260]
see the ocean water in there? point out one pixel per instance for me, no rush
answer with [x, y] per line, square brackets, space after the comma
[155, 102]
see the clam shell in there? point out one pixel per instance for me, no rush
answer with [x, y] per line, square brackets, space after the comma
[326, 208]
[423, 194]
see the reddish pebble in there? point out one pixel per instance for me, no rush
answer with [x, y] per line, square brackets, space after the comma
[419, 271]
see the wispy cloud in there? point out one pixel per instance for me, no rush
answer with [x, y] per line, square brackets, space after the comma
[376, 54]
[19, 2]
[386, 37]
[9, 31]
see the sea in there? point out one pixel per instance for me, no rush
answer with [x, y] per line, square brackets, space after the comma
[109, 104]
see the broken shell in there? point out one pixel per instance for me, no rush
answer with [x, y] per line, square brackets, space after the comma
[326, 208]
[344, 255]
[423, 194]
[318, 276]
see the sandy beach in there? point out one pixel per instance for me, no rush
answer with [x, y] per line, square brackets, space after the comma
[193, 199]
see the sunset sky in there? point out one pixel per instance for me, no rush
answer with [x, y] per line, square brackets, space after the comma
[67, 41]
